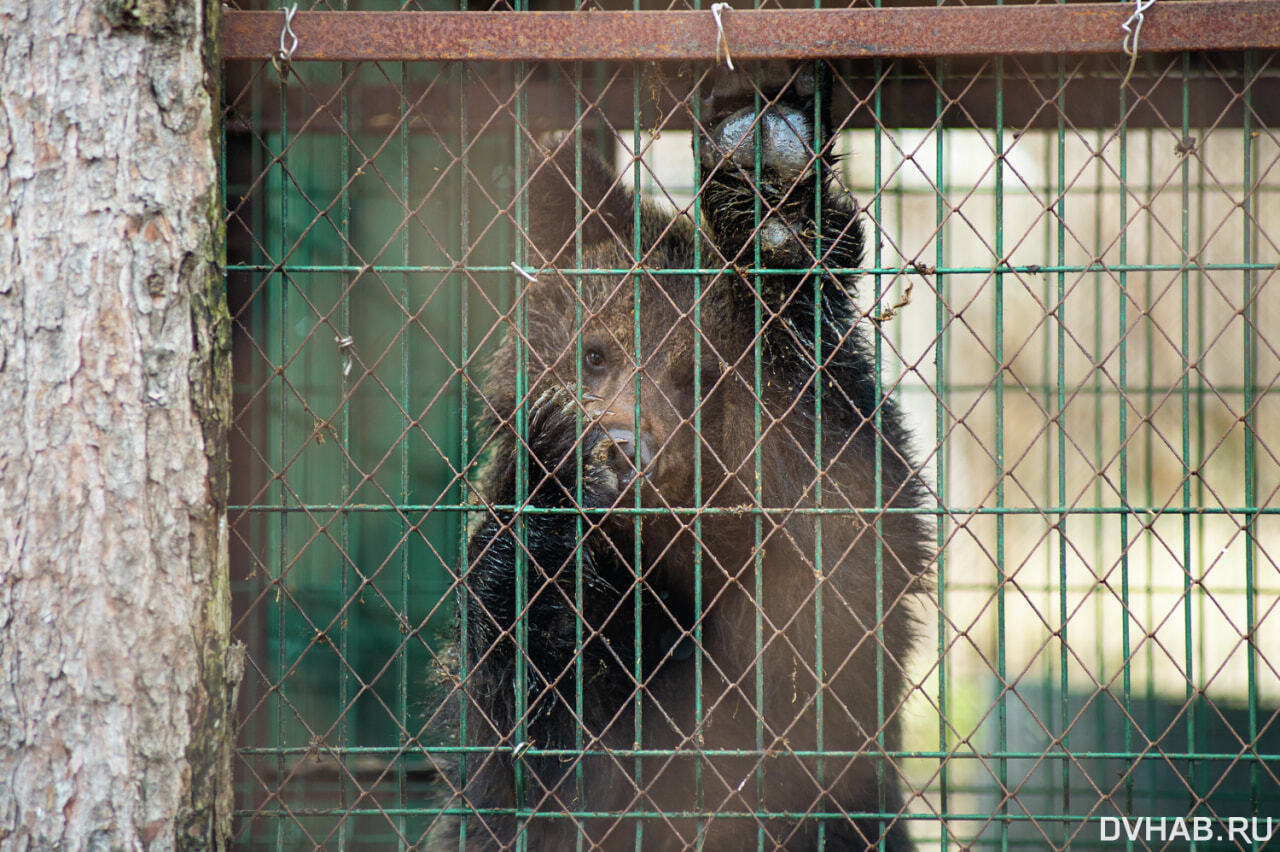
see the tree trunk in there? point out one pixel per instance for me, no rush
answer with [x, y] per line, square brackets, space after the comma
[115, 672]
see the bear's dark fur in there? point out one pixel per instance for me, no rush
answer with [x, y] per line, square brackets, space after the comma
[622, 649]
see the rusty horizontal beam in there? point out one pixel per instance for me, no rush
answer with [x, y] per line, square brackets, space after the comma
[755, 34]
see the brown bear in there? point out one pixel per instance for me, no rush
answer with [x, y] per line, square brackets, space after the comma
[693, 632]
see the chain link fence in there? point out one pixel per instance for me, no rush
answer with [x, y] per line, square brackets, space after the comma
[840, 453]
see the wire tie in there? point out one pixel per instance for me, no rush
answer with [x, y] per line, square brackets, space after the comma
[344, 346]
[283, 57]
[525, 275]
[1131, 28]
[722, 43]
[518, 750]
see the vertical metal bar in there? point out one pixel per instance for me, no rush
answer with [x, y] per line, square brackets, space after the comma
[1184, 395]
[281, 666]
[1060, 411]
[1249, 317]
[942, 421]
[1148, 388]
[877, 279]
[1002, 711]
[579, 672]
[1150, 329]
[1101, 595]
[637, 519]
[1200, 288]
[606, 145]
[523, 462]
[758, 465]
[261, 319]
[819, 573]
[344, 538]
[464, 402]
[699, 792]
[402, 665]
[1122, 404]
[1048, 401]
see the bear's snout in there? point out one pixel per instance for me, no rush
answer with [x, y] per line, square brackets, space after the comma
[639, 451]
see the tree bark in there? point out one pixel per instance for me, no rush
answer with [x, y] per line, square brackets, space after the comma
[115, 671]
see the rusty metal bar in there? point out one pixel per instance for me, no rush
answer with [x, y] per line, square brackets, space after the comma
[755, 34]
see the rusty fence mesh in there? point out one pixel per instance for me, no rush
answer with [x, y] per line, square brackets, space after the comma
[757, 532]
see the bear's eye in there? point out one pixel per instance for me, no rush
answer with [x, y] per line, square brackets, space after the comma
[593, 357]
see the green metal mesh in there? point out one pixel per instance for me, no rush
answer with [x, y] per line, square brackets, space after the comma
[1073, 301]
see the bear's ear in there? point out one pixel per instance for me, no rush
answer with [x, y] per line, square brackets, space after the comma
[606, 205]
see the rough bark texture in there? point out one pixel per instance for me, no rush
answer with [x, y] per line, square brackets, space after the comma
[115, 676]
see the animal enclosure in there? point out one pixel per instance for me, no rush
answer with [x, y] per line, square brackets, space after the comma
[1066, 294]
